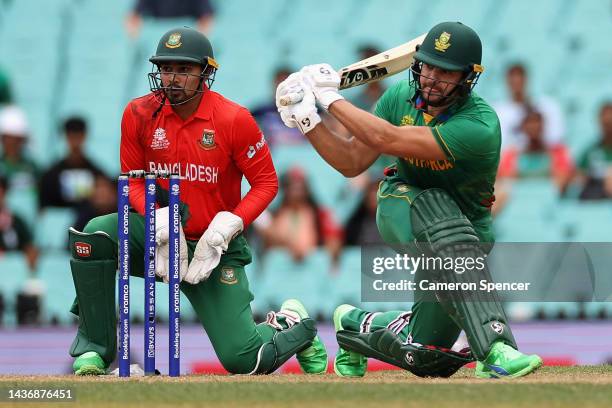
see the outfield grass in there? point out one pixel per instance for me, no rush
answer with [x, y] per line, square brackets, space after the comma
[576, 387]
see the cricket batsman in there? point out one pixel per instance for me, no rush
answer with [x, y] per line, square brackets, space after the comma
[438, 194]
[184, 127]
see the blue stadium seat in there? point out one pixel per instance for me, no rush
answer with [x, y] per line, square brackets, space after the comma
[34, 41]
[558, 310]
[52, 228]
[329, 187]
[587, 220]
[54, 271]
[535, 204]
[24, 202]
[73, 56]
[345, 286]
[346, 283]
[15, 272]
[598, 310]
[283, 278]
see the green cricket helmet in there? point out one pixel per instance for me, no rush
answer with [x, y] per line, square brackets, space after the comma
[183, 44]
[451, 46]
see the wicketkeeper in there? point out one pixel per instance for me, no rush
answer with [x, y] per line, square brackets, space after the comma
[439, 194]
[184, 127]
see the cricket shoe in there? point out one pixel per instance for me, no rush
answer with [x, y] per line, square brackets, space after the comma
[89, 363]
[505, 361]
[347, 363]
[313, 360]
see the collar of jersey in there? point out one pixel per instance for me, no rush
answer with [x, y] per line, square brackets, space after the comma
[204, 110]
[420, 104]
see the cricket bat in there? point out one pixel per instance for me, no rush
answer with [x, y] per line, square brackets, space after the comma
[371, 69]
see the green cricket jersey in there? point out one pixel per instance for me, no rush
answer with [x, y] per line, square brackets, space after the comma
[470, 136]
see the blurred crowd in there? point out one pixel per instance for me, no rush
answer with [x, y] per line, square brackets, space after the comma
[533, 146]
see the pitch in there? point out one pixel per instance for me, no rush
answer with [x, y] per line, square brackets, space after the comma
[588, 386]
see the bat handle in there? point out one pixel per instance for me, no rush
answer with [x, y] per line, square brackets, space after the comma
[292, 98]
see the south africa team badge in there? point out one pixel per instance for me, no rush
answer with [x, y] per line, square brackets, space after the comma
[443, 42]
[407, 120]
[228, 276]
[208, 139]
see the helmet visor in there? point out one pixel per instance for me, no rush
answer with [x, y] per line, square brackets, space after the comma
[179, 87]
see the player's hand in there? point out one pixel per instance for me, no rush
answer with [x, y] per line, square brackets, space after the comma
[162, 241]
[324, 82]
[290, 91]
[215, 240]
[302, 114]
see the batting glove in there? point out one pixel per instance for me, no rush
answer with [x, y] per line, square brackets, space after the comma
[215, 240]
[290, 91]
[303, 113]
[162, 242]
[324, 82]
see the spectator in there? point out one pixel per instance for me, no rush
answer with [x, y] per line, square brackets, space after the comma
[537, 158]
[102, 201]
[269, 121]
[6, 96]
[595, 166]
[299, 224]
[371, 92]
[2, 307]
[14, 232]
[70, 181]
[20, 171]
[199, 10]
[512, 112]
[361, 227]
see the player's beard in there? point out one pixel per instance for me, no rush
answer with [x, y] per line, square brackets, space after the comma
[176, 95]
[438, 94]
[179, 95]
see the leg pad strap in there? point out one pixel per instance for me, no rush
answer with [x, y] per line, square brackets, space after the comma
[284, 345]
[423, 361]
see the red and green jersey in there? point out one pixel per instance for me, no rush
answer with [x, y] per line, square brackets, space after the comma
[211, 150]
[470, 136]
[596, 160]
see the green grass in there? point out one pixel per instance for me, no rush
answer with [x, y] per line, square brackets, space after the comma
[576, 387]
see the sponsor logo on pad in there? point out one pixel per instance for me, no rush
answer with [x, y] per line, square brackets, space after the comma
[82, 249]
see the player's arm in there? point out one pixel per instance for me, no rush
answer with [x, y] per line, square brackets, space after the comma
[347, 155]
[132, 158]
[401, 141]
[252, 156]
[350, 157]
[374, 131]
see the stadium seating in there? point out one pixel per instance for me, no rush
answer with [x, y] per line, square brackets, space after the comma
[24, 202]
[73, 56]
[14, 274]
[54, 270]
[52, 228]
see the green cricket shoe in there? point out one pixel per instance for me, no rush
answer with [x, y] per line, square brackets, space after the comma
[505, 361]
[347, 363]
[313, 360]
[89, 363]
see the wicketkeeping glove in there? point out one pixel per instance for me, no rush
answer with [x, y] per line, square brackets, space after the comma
[215, 240]
[162, 238]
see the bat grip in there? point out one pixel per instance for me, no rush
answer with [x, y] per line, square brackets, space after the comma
[292, 98]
